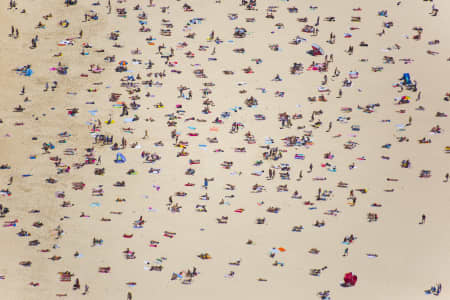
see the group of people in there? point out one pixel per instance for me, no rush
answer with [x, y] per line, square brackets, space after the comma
[277, 139]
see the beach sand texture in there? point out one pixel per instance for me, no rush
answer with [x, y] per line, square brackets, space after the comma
[204, 117]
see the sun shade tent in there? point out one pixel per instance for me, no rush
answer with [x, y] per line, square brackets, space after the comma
[350, 279]
[406, 78]
[317, 50]
[120, 158]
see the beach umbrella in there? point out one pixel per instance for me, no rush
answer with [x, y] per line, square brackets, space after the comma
[123, 63]
[317, 50]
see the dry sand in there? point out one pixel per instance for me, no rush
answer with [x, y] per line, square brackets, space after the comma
[411, 257]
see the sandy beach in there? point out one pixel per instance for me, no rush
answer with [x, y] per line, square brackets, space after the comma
[217, 149]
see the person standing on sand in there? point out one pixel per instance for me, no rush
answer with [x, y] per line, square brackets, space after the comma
[33, 44]
[300, 175]
[424, 217]
[409, 121]
[345, 252]
[434, 11]
[86, 289]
